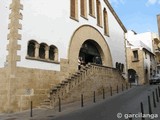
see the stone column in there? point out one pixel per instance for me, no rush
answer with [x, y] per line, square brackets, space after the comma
[37, 50]
[56, 55]
[13, 36]
[47, 52]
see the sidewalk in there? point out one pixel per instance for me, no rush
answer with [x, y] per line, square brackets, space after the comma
[49, 114]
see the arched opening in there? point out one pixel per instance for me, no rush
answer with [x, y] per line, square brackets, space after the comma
[89, 52]
[96, 39]
[53, 52]
[132, 76]
[42, 50]
[31, 48]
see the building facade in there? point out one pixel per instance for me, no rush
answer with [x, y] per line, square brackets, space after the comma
[43, 39]
[141, 56]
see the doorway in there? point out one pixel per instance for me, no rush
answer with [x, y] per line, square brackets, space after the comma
[89, 52]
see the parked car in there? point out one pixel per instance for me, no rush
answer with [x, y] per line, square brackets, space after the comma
[154, 80]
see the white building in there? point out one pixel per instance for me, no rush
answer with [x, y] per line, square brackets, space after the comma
[42, 37]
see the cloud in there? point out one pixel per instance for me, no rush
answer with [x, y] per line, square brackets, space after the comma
[152, 2]
[117, 2]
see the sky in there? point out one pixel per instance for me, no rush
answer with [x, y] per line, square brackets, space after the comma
[138, 15]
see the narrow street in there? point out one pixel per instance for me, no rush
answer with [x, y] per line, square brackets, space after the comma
[116, 107]
[126, 103]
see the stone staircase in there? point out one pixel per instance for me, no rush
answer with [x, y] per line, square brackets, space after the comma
[91, 77]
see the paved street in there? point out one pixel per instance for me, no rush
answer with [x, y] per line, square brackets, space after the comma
[107, 110]
[122, 103]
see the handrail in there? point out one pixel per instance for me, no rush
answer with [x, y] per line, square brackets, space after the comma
[102, 66]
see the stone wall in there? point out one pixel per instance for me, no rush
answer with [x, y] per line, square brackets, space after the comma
[138, 65]
[29, 84]
[3, 88]
[91, 78]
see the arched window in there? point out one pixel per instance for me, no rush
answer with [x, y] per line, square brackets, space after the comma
[74, 9]
[52, 53]
[31, 48]
[83, 8]
[42, 50]
[91, 8]
[106, 26]
[117, 65]
[99, 13]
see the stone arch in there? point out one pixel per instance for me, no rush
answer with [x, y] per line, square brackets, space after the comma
[132, 75]
[87, 32]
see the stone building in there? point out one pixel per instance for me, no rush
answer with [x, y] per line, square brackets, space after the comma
[41, 41]
[141, 56]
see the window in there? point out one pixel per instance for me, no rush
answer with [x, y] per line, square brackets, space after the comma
[31, 48]
[42, 51]
[74, 9]
[53, 53]
[145, 55]
[135, 55]
[106, 26]
[150, 58]
[99, 13]
[83, 8]
[91, 8]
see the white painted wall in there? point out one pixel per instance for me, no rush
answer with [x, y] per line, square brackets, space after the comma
[49, 21]
[146, 38]
[4, 15]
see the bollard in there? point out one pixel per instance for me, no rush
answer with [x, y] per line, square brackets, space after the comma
[154, 101]
[122, 87]
[157, 95]
[142, 111]
[59, 104]
[126, 86]
[149, 105]
[111, 90]
[82, 100]
[117, 89]
[103, 93]
[130, 85]
[159, 90]
[94, 96]
[31, 110]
